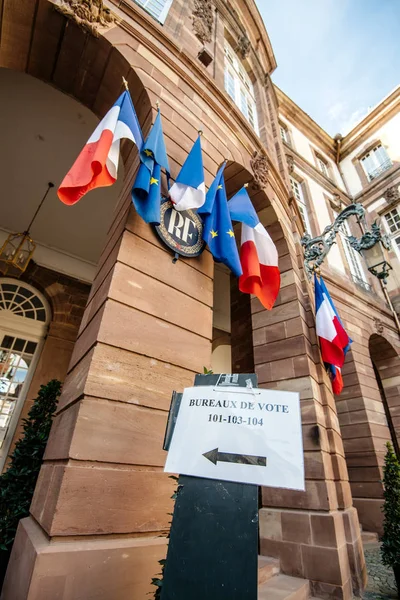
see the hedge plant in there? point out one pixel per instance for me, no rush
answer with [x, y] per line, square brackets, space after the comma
[390, 548]
[17, 484]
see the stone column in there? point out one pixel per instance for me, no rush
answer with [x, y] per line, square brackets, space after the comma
[364, 431]
[315, 533]
[101, 508]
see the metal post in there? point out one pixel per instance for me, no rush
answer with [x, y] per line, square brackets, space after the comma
[388, 300]
[213, 547]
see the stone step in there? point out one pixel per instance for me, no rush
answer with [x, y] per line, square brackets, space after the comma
[283, 587]
[267, 568]
[369, 537]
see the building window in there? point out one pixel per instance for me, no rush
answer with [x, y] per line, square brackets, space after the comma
[24, 316]
[322, 166]
[239, 87]
[375, 162]
[393, 220]
[285, 136]
[393, 225]
[156, 8]
[353, 258]
[301, 203]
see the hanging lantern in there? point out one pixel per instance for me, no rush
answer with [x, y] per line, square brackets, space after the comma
[17, 250]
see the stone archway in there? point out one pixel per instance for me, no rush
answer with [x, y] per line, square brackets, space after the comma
[242, 342]
[60, 81]
[386, 362]
[367, 410]
[40, 41]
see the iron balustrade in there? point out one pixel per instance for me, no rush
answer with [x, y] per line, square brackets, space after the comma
[381, 169]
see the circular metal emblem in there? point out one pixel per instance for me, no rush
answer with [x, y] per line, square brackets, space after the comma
[180, 231]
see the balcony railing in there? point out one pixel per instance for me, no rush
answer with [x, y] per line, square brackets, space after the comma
[381, 169]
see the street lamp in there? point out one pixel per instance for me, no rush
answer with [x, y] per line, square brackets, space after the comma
[372, 245]
[373, 248]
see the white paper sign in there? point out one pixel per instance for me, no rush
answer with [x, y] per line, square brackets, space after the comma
[249, 436]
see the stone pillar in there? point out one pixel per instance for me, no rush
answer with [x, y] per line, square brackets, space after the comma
[101, 508]
[364, 431]
[316, 535]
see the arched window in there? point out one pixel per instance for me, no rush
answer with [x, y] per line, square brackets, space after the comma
[24, 318]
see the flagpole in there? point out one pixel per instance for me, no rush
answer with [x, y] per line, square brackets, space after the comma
[124, 81]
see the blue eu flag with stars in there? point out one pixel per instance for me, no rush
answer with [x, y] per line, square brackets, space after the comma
[218, 230]
[146, 191]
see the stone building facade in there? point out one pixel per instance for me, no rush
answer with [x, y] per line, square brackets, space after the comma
[100, 513]
[326, 175]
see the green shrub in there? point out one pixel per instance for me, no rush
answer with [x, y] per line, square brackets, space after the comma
[17, 484]
[391, 508]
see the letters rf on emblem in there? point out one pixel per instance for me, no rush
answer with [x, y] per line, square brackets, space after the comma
[180, 231]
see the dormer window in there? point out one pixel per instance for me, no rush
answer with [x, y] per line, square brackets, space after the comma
[239, 86]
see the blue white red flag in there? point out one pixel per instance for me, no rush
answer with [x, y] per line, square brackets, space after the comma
[97, 164]
[189, 189]
[258, 254]
[333, 339]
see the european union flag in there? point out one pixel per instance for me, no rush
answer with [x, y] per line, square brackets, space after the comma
[218, 230]
[146, 191]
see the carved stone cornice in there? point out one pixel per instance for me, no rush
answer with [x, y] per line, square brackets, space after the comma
[243, 46]
[392, 194]
[290, 162]
[379, 326]
[91, 15]
[203, 20]
[260, 167]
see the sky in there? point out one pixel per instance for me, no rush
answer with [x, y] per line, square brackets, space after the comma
[336, 58]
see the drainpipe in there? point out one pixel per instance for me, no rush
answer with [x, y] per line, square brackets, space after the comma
[338, 143]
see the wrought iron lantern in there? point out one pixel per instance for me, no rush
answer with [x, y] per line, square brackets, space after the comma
[372, 244]
[373, 247]
[17, 250]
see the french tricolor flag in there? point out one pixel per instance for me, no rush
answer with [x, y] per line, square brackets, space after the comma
[333, 339]
[258, 254]
[97, 164]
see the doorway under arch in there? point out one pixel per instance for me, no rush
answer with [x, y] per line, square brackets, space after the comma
[24, 319]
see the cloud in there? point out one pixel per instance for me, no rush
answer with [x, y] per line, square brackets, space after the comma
[352, 120]
[337, 110]
[326, 61]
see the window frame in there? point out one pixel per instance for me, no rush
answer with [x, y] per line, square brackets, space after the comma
[30, 330]
[163, 13]
[375, 173]
[287, 138]
[394, 235]
[243, 93]
[353, 257]
[323, 166]
[301, 203]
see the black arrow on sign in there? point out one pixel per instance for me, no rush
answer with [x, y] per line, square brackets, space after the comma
[241, 459]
